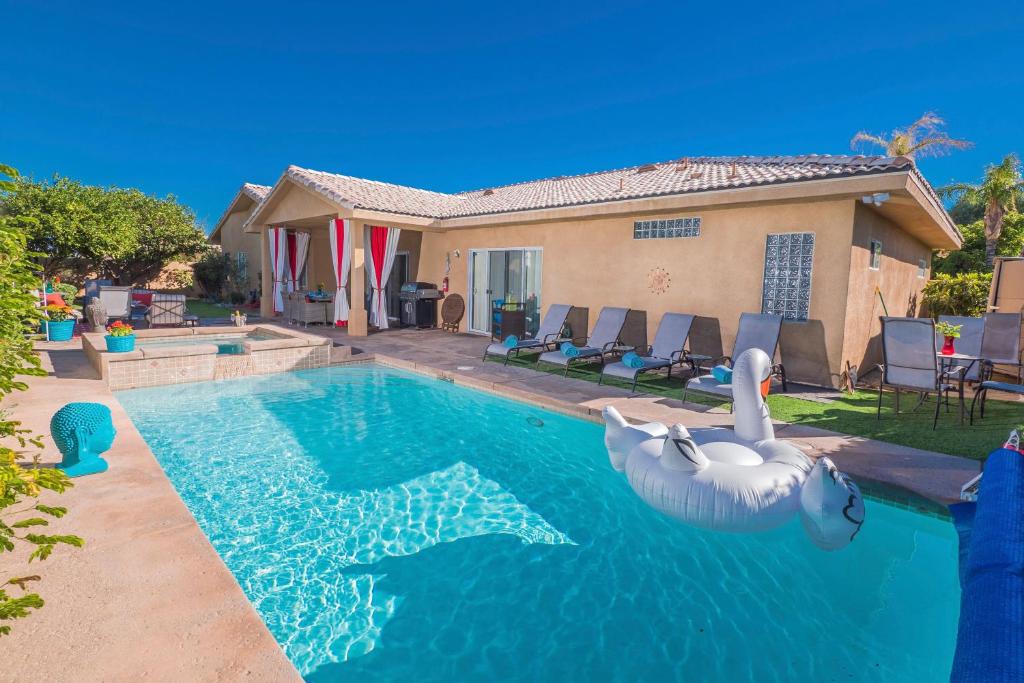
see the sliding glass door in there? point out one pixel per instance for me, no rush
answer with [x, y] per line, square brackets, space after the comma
[512, 276]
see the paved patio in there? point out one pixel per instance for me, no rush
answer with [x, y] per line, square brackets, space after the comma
[149, 598]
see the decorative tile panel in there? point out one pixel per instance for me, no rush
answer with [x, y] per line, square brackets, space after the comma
[786, 290]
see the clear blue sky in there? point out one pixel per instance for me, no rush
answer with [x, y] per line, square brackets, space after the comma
[195, 98]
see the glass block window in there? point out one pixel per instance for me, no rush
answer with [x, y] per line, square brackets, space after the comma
[876, 255]
[922, 267]
[788, 259]
[242, 265]
[667, 228]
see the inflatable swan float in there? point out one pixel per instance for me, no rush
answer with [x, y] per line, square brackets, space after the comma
[736, 480]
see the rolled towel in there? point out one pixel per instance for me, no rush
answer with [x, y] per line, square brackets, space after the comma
[511, 341]
[570, 351]
[631, 360]
[722, 373]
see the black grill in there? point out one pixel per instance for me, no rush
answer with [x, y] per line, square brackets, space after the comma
[419, 304]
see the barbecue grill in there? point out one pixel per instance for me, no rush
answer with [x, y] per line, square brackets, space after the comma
[419, 304]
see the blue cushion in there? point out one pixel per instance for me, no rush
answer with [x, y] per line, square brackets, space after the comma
[722, 373]
[631, 360]
[511, 341]
[570, 351]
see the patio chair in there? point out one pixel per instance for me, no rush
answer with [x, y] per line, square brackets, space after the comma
[981, 393]
[969, 343]
[668, 349]
[548, 336]
[452, 310]
[117, 300]
[92, 289]
[757, 331]
[305, 311]
[166, 310]
[1001, 342]
[603, 340]
[910, 362]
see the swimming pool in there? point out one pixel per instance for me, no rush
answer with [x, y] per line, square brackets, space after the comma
[389, 526]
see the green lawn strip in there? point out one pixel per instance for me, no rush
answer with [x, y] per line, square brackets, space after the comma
[205, 309]
[849, 414]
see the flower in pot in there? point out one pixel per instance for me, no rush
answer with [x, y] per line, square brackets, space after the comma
[120, 337]
[58, 323]
[949, 332]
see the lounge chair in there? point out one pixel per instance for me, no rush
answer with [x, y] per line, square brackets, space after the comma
[1001, 343]
[166, 310]
[603, 340]
[118, 302]
[910, 362]
[969, 343]
[668, 349]
[548, 335]
[757, 331]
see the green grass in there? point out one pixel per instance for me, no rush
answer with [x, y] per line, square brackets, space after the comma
[850, 414]
[205, 309]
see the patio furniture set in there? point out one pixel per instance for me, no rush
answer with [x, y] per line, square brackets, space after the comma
[912, 361]
[136, 306]
[307, 308]
[626, 362]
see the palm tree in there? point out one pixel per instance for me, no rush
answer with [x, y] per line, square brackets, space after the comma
[998, 193]
[923, 137]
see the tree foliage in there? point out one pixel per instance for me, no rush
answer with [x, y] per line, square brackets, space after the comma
[970, 258]
[121, 233]
[22, 517]
[213, 272]
[924, 137]
[963, 294]
[997, 193]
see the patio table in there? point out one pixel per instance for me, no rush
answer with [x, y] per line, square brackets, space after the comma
[947, 363]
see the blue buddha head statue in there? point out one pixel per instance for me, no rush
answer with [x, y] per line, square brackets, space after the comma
[83, 431]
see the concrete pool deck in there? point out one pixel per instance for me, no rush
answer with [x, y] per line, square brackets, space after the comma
[149, 598]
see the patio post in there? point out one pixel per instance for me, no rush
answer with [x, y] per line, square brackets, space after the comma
[357, 321]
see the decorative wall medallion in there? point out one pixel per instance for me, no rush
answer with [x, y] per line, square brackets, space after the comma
[658, 280]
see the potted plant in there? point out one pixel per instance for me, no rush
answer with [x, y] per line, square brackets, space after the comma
[949, 332]
[58, 324]
[238, 318]
[120, 337]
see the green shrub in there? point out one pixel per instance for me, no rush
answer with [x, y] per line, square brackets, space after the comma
[237, 298]
[963, 294]
[67, 291]
[212, 273]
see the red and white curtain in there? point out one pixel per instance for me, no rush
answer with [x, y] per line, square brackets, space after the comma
[278, 247]
[298, 250]
[341, 257]
[381, 246]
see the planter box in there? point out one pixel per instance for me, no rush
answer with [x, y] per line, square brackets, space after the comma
[120, 344]
[59, 331]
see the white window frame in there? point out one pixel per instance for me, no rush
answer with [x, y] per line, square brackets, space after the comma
[871, 254]
[469, 279]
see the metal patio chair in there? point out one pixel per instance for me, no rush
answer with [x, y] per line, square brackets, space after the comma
[910, 363]
[969, 343]
[756, 331]
[1001, 342]
[548, 336]
[603, 340]
[118, 302]
[166, 310]
[668, 349]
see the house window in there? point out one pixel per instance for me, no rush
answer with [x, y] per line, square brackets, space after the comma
[242, 266]
[788, 259]
[667, 228]
[876, 255]
[922, 267]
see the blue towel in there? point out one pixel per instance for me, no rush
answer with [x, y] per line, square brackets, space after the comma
[570, 351]
[631, 360]
[722, 373]
[990, 643]
[511, 341]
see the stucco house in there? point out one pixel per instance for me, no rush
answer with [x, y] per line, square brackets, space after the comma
[242, 247]
[815, 238]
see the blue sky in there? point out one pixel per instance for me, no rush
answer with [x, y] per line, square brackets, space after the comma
[195, 98]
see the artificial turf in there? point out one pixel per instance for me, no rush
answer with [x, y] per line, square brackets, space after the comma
[852, 414]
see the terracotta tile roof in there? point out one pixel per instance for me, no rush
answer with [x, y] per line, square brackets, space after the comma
[255, 192]
[679, 176]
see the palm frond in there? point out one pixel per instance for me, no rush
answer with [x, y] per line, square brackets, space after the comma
[938, 144]
[864, 136]
[958, 190]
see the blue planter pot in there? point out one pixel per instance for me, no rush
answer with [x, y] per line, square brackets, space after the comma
[120, 344]
[59, 331]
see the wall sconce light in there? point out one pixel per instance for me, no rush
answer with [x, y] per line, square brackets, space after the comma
[876, 199]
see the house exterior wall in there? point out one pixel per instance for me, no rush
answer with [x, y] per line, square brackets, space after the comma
[717, 275]
[232, 240]
[897, 278]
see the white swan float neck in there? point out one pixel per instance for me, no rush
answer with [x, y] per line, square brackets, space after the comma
[736, 480]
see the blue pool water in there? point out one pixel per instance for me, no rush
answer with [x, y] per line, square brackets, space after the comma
[391, 527]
